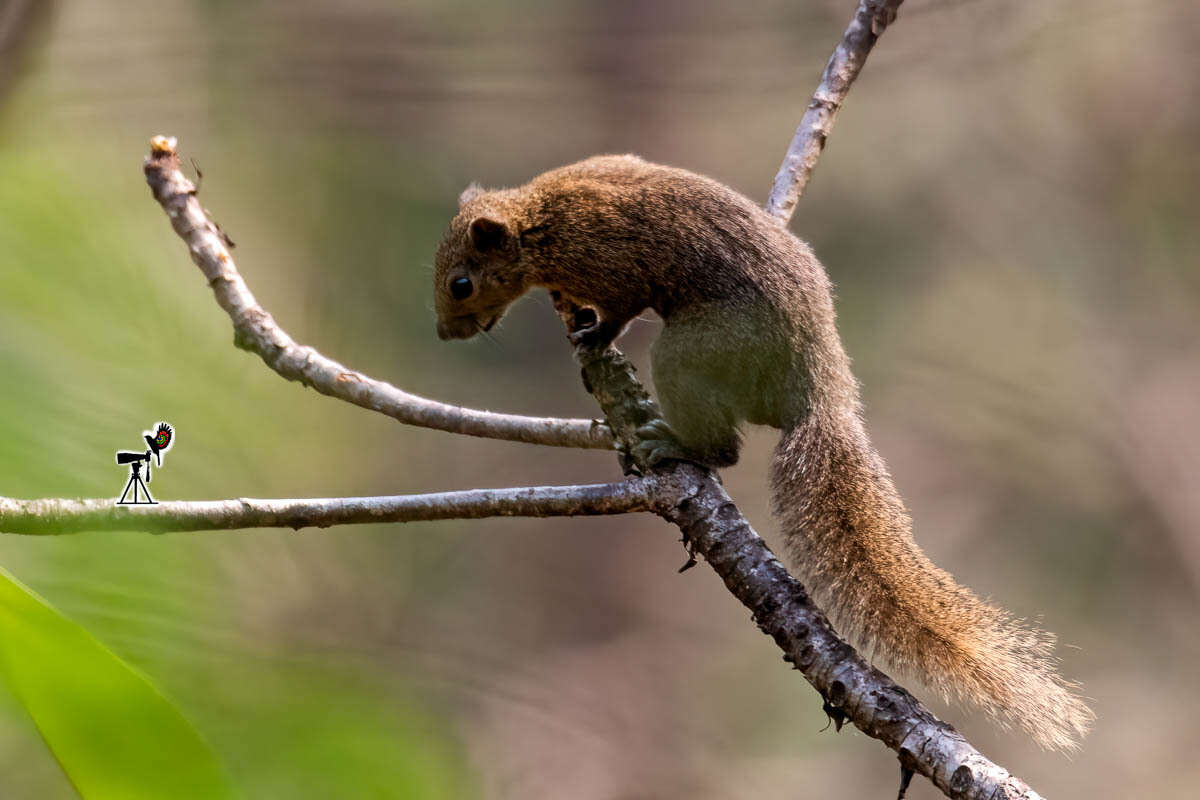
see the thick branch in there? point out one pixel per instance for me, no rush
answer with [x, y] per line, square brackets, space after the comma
[51, 517]
[256, 331]
[870, 20]
[692, 498]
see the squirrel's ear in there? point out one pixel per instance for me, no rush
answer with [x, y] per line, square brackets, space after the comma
[488, 233]
[469, 194]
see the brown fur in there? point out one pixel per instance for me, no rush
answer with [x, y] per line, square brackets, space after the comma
[750, 336]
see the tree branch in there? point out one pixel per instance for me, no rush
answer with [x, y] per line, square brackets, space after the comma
[870, 20]
[692, 498]
[53, 516]
[255, 330]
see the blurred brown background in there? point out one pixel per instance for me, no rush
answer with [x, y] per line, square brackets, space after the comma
[1008, 206]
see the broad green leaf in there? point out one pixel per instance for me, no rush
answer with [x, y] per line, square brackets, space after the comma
[111, 730]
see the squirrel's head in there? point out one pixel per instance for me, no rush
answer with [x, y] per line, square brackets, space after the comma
[476, 275]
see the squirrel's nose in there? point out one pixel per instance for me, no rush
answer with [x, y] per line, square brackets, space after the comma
[457, 328]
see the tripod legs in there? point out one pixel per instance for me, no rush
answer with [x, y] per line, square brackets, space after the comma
[135, 482]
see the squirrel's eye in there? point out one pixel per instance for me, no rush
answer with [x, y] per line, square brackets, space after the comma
[461, 288]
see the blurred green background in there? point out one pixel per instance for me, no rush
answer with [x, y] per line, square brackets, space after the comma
[1008, 207]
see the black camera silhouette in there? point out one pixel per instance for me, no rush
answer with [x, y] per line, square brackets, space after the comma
[159, 442]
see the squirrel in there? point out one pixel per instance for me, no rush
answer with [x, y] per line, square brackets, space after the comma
[749, 335]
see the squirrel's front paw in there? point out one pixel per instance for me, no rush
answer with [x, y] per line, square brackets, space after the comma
[658, 443]
[586, 328]
[586, 337]
[592, 329]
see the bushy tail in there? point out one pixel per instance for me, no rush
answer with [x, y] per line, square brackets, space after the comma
[851, 537]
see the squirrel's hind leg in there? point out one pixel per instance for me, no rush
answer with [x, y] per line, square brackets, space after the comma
[695, 405]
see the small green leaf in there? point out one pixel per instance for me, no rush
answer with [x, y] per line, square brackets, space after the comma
[113, 733]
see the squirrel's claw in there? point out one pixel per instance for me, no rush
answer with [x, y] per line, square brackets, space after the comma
[585, 337]
[657, 444]
[594, 335]
[656, 428]
[587, 327]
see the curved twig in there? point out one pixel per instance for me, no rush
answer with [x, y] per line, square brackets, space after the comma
[53, 516]
[255, 330]
[870, 19]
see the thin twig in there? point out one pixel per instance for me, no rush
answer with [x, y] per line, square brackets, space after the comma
[256, 331]
[54, 516]
[870, 20]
